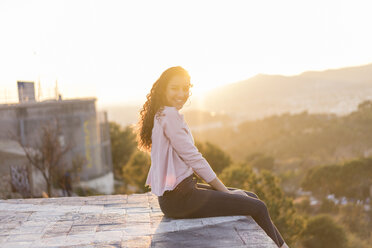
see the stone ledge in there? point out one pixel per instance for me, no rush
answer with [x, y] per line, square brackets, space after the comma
[132, 221]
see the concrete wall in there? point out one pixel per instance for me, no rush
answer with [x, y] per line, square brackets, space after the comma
[80, 128]
[102, 184]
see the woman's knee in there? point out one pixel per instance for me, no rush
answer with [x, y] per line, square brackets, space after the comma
[261, 208]
[251, 194]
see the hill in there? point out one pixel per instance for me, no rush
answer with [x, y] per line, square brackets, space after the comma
[337, 91]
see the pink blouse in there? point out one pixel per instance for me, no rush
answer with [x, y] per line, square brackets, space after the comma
[173, 153]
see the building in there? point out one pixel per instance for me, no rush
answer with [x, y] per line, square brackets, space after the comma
[80, 125]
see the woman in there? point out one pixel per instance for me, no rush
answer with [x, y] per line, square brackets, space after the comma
[174, 160]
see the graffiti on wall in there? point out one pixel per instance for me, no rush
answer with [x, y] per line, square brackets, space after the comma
[19, 180]
[87, 144]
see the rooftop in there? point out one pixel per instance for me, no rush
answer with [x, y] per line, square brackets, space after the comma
[47, 102]
[118, 221]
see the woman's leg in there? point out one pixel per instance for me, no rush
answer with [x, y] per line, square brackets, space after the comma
[207, 186]
[215, 203]
[249, 193]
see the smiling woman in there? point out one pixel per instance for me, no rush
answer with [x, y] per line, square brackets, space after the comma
[162, 94]
[175, 159]
[177, 91]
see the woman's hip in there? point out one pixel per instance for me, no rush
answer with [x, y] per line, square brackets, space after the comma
[175, 201]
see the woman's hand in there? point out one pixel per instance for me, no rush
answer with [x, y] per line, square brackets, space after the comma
[238, 192]
[218, 185]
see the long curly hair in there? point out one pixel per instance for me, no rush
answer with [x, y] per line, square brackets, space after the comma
[155, 102]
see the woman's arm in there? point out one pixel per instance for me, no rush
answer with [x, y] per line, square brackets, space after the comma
[182, 142]
[218, 185]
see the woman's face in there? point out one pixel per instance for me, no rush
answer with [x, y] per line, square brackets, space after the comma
[177, 91]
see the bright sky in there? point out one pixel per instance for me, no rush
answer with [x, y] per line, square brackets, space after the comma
[115, 50]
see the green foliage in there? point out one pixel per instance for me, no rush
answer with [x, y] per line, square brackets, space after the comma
[351, 179]
[135, 172]
[281, 208]
[355, 241]
[86, 191]
[237, 175]
[260, 161]
[323, 232]
[356, 219]
[318, 137]
[123, 144]
[266, 186]
[303, 206]
[217, 158]
[328, 206]
[356, 179]
[364, 113]
[319, 180]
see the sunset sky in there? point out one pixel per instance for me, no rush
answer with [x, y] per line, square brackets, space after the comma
[115, 50]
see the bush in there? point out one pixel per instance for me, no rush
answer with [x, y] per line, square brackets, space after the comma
[135, 172]
[266, 186]
[323, 232]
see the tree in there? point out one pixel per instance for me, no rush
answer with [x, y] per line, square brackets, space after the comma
[64, 177]
[322, 180]
[123, 144]
[281, 208]
[135, 172]
[260, 161]
[356, 219]
[238, 175]
[365, 106]
[355, 179]
[351, 179]
[266, 186]
[328, 206]
[47, 153]
[323, 232]
[217, 158]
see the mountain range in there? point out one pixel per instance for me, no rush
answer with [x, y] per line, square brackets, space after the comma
[337, 91]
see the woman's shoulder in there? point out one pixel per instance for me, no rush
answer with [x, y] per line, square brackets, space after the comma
[169, 115]
[170, 112]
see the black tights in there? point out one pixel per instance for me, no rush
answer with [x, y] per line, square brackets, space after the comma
[193, 200]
